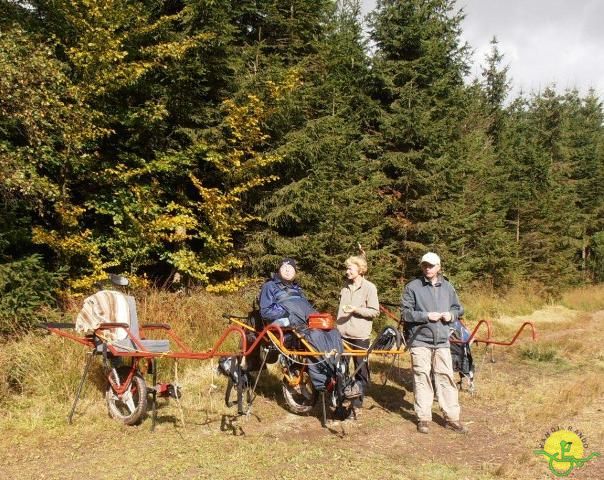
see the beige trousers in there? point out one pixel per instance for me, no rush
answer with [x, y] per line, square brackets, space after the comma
[438, 360]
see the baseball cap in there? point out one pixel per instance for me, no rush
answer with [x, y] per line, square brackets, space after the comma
[430, 258]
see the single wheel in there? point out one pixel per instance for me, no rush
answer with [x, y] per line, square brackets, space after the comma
[131, 407]
[240, 381]
[301, 397]
[384, 374]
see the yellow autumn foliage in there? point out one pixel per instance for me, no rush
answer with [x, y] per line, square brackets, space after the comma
[145, 222]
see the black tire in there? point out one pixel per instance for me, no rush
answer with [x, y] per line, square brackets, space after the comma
[239, 381]
[300, 398]
[131, 408]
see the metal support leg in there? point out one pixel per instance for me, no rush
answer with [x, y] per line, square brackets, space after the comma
[240, 385]
[323, 410]
[154, 395]
[252, 395]
[79, 391]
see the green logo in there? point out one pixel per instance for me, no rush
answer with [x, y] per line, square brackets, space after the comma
[565, 450]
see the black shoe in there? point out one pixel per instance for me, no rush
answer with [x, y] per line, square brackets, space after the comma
[353, 391]
[457, 427]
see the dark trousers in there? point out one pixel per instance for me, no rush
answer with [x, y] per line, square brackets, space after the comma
[322, 369]
[362, 376]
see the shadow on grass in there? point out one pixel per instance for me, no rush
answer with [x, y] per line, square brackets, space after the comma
[392, 391]
[270, 387]
[230, 424]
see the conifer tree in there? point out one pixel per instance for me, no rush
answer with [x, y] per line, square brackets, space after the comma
[211, 138]
[437, 147]
[582, 141]
[541, 194]
[327, 200]
[471, 222]
[496, 87]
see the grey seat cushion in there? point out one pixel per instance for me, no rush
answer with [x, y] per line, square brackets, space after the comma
[126, 345]
[155, 346]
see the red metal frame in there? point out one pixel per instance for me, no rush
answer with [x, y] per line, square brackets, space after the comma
[239, 329]
[472, 338]
[120, 389]
[518, 332]
[270, 334]
[388, 313]
[141, 352]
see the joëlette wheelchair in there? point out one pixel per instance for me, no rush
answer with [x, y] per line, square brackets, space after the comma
[296, 356]
[114, 333]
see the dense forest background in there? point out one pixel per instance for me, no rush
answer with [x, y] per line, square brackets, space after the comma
[195, 142]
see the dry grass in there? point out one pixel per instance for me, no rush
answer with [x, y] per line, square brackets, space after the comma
[531, 387]
[588, 299]
[569, 397]
[45, 369]
[524, 299]
[196, 317]
[554, 382]
[488, 304]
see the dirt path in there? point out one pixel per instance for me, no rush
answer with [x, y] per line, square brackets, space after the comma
[518, 400]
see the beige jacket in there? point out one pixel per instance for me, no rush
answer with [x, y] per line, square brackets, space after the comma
[364, 297]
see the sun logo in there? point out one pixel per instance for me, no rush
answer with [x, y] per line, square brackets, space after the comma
[565, 450]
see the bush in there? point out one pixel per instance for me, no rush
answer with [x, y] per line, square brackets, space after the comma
[27, 294]
[540, 353]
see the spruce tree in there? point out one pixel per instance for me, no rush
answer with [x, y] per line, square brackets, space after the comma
[582, 141]
[496, 87]
[541, 194]
[327, 200]
[429, 135]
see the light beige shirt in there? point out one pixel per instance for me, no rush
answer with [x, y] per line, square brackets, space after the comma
[364, 297]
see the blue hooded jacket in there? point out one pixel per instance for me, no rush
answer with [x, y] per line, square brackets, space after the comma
[284, 300]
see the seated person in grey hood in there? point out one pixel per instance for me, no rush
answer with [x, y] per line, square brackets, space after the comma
[282, 302]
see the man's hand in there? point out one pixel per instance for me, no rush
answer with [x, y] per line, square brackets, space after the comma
[434, 316]
[446, 316]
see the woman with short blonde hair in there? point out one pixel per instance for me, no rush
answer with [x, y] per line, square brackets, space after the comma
[360, 262]
[359, 304]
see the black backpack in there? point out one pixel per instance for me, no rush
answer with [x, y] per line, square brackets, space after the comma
[388, 338]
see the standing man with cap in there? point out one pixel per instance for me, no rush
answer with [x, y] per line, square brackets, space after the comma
[428, 305]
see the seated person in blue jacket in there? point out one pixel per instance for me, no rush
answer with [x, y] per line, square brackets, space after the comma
[283, 303]
[281, 299]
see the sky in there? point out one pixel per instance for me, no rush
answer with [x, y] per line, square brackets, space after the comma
[544, 42]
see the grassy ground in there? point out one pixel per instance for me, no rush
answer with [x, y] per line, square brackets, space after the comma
[530, 389]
